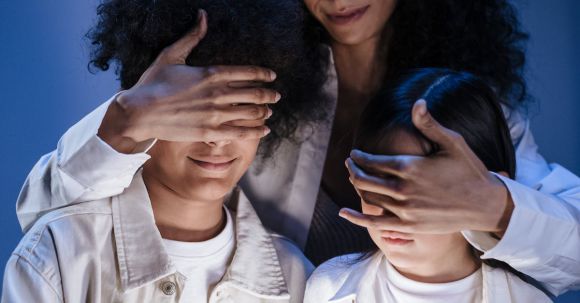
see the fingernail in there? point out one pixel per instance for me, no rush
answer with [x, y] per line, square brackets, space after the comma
[267, 131]
[342, 213]
[422, 111]
[278, 97]
[269, 114]
[272, 75]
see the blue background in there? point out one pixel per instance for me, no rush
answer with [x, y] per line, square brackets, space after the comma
[45, 87]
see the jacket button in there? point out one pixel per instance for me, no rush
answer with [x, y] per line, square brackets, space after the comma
[168, 288]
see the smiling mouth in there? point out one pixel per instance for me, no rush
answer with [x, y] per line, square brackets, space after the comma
[214, 165]
[348, 16]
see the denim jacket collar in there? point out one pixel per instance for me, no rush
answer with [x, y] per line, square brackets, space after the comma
[255, 267]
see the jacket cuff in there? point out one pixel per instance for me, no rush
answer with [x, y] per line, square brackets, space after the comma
[89, 160]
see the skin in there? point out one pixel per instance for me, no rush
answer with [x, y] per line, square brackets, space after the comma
[359, 48]
[448, 191]
[188, 185]
[360, 68]
[175, 102]
[429, 258]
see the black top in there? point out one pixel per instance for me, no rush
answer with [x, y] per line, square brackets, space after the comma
[330, 235]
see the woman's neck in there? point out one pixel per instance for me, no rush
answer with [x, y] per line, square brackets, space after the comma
[455, 266]
[361, 67]
[181, 219]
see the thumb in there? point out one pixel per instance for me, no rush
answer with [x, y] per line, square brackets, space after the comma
[430, 128]
[177, 52]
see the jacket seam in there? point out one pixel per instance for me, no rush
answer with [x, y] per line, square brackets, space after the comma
[46, 280]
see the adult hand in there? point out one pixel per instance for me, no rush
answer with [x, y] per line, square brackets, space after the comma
[446, 192]
[176, 102]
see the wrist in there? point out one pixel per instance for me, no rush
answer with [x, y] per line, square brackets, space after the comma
[501, 212]
[114, 129]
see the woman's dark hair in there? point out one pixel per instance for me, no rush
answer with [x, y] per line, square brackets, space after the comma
[481, 37]
[459, 101]
[268, 33]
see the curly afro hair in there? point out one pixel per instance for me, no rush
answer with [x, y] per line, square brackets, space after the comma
[269, 33]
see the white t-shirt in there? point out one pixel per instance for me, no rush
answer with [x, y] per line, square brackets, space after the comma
[203, 263]
[397, 288]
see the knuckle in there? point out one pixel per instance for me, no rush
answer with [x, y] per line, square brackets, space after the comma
[259, 93]
[409, 168]
[253, 71]
[405, 214]
[366, 196]
[241, 134]
[212, 73]
[257, 112]
[204, 133]
[165, 52]
[456, 138]
[218, 94]
[373, 222]
[403, 190]
[357, 179]
[213, 117]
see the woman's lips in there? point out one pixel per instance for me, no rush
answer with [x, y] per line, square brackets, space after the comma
[214, 165]
[348, 16]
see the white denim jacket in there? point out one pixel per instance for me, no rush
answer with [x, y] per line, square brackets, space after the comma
[542, 239]
[110, 250]
[345, 280]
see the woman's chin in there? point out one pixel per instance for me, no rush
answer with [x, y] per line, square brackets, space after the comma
[209, 190]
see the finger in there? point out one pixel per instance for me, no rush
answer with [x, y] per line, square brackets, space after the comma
[246, 123]
[255, 95]
[177, 52]
[245, 112]
[229, 74]
[447, 139]
[227, 132]
[364, 182]
[382, 222]
[385, 202]
[245, 84]
[396, 165]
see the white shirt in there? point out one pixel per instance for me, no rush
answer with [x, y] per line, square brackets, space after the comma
[397, 288]
[348, 279]
[202, 263]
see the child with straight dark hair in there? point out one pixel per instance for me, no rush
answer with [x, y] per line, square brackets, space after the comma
[426, 267]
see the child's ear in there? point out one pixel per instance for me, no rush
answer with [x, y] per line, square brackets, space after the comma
[503, 173]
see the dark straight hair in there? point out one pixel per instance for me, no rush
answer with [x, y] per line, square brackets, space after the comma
[459, 101]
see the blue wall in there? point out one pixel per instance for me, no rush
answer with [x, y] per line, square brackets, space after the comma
[45, 87]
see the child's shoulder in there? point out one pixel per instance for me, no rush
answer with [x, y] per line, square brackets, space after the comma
[341, 264]
[329, 277]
